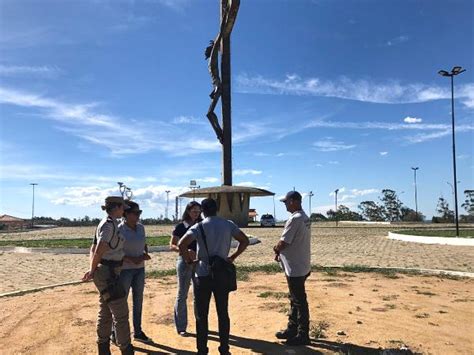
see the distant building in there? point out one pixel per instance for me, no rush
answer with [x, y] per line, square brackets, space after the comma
[8, 222]
[253, 215]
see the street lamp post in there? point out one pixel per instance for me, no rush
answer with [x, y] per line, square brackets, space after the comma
[335, 211]
[310, 195]
[455, 71]
[416, 196]
[167, 202]
[33, 184]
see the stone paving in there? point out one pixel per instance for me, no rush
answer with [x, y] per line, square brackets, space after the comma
[368, 246]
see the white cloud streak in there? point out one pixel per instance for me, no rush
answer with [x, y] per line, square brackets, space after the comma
[392, 92]
[119, 136]
[242, 172]
[409, 119]
[429, 131]
[44, 71]
[329, 145]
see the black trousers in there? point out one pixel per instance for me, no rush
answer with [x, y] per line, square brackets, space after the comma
[203, 288]
[299, 314]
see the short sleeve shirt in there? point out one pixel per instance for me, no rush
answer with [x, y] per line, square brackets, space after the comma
[134, 244]
[296, 257]
[219, 233]
[181, 230]
[108, 232]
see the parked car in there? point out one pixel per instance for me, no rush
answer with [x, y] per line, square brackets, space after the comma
[267, 220]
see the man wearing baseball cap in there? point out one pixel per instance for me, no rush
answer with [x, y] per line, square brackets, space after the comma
[293, 251]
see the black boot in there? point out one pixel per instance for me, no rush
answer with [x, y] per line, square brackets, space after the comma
[128, 350]
[104, 348]
[286, 334]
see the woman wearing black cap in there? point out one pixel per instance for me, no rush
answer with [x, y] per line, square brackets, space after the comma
[106, 262]
[133, 270]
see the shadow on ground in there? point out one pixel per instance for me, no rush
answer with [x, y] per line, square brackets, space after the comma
[266, 347]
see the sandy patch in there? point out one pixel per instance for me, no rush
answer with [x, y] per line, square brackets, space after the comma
[428, 314]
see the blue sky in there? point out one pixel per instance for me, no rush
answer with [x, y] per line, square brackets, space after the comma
[326, 95]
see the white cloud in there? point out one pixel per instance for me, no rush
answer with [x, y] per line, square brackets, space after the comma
[208, 179]
[409, 119]
[353, 193]
[188, 120]
[241, 172]
[333, 162]
[397, 40]
[329, 145]
[44, 71]
[152, 197]
[246, 183]
[392, 92]
[383, 153]
[435, 130]
[111, 132]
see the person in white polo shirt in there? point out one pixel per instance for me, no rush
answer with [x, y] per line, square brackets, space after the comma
[293, 251]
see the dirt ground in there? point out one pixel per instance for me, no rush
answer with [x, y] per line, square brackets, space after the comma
[429, 315]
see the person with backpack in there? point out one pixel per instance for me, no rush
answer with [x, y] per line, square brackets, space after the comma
[184, 271]
[214, 271]
[105, 265]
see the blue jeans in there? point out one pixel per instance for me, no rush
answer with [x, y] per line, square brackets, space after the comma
[185, 273]
[135, 278]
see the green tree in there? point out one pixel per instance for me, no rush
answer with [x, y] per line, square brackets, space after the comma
[445, 214]
[318, 217]
[372, 211]
[469, 202]
[392, 205]
[409, 215]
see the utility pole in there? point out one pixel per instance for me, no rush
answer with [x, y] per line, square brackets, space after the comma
[167, 202]
[310, 195]
[455, 71]
[335, 194]
[176, 209]
[33, 205]
[416, 197]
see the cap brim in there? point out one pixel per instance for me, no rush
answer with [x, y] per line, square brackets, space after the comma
[125, 206]
[283, 199]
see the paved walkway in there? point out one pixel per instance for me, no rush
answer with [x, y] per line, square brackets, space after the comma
[331, 246]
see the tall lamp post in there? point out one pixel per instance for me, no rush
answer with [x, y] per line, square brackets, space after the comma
[167, 202]
[310, 195]
[33, 184]
[455, 71]
[335, 211]
[416, 196]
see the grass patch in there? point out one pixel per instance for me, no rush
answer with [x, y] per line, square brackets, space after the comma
[72, 242]
[244, 271]
[425, 293]
[446, 233]
[272, 294]
[318, 331]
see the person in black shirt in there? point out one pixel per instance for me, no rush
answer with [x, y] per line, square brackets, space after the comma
[185, 272]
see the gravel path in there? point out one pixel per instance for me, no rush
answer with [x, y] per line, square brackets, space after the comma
[367, 246]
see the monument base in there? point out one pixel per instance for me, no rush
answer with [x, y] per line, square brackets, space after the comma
[232, 201]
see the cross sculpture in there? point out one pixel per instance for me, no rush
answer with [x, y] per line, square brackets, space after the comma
[221, 84]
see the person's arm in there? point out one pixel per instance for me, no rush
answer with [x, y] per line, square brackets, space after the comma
[101, 248]
[183, 245]
[286, 238]
[92, 250]
[243, 244]
[174, 243]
